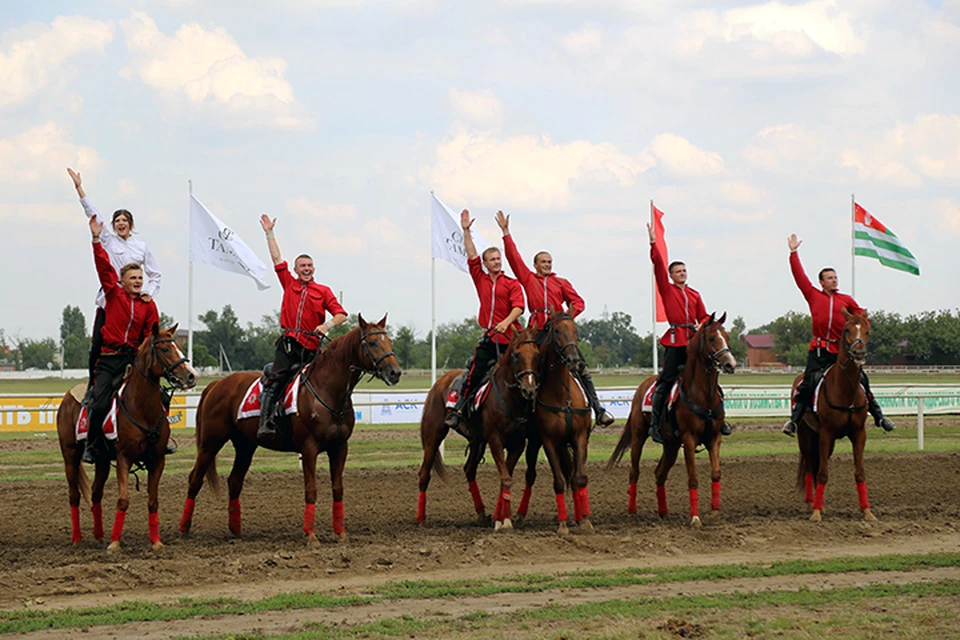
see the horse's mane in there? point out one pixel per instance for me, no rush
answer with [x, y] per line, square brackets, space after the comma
[339, 348]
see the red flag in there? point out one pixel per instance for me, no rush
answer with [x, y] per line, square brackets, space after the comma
[662, 248]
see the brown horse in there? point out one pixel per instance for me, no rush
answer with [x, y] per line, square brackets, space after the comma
[323, 422]
[841, 411]
[698, 415]
[142, 434]
[563, 424]
[501, 422]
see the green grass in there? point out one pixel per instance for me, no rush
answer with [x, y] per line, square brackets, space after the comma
[133, 611]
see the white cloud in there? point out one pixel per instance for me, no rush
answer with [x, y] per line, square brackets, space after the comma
[127, 187]
[36, 53]
[47, 214]
[680, 157]
[948, 217]
[43, 152]
[531, 172]
[586, 40]
[207, 70]
[481, 108]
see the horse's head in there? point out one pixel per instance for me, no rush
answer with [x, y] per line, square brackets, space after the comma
[856, 334]
[523, 355]
[377, 350]
[562, 334]
[714, 347]
[165, 359]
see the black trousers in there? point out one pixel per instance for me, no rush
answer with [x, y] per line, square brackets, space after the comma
[819, 360]
[288, 355]
[485, 356]
[96, 341]
[108, 369]
[674, 358]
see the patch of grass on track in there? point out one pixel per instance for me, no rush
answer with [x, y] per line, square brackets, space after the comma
[127, 612]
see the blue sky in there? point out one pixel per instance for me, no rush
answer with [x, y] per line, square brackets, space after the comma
[743, 121]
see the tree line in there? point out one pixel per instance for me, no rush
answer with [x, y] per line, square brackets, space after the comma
[926, 338]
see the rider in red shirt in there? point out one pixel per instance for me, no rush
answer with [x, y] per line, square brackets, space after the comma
[545, 291]
[501, 303]
[302, 317]
[826, 310]
[128, 319]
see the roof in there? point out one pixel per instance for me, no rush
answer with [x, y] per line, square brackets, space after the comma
[758, 340]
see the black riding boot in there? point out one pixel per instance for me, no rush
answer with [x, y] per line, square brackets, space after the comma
[874, 408]
[455, 415]
[790, 427]
[268, 401]
[725, 429]
[659, 401]
[604, 417]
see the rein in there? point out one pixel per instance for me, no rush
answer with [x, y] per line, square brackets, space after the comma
[569, 410]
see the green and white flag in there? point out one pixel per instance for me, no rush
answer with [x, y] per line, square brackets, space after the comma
[873, 240]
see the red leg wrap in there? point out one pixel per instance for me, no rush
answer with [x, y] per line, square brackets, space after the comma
[632, 503]
[662, 501]
[585, 502]
[75, 533]
[498, 510]
[118, 525]
[862, 495]
[338, 527]
[97, 511]
[577, 506]
[422, 507]
[561, 507]
[477, 500]
[715, 496]
[505, 504]
[694, 503]
[808, 488]
[818, 498]
[525, 501]
[233, 512]
[309, 512]
[153, 519]
[187, 518]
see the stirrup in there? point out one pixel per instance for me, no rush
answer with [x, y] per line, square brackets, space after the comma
[789, 428]
[605, 418]
[886, 424]
[726, 429]
[453, 419]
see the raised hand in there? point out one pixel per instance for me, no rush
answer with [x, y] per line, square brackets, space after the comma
[266, 223]
[651, 233]
[465, 220]
[793, 242]
[95, 226]
[75, 177]
[503, 221]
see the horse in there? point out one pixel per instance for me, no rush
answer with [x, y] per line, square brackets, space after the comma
[501, 423]
[698, 416]
[142, 434]
[841, 411]
[324, 421]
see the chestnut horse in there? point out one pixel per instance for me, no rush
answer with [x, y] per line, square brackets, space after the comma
[841, 411]
[698, 415]
[323, 422]
[142, 434]
[500, 422]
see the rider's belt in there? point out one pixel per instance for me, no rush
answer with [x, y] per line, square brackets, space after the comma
[673, 330]
[822, 343]
[116, 350]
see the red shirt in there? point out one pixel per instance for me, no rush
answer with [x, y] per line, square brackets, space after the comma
[304, 306]
[543, 293]
[497, 299]
[128, 320]
[683, 305]
[825, 309]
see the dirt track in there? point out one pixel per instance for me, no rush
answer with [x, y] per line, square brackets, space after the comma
[915, 496]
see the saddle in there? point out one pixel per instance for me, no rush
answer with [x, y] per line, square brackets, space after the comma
[456, 390]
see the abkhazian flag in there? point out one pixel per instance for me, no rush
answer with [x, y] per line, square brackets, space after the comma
[873, 240]
[448, 236]
[661, 243]
[212, 242]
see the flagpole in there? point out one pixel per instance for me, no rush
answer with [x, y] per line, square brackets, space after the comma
[433, 308]
[853, 246]
[653, 299]
[190, 291]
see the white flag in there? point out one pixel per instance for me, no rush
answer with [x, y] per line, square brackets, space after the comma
[214, 243]
[448, 236]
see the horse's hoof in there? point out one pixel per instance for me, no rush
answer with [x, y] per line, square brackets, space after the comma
[484, 519]
[312, 540]
[518, 521]
[816, 516]
[563, 530]
[868, 515]
[714, 514]
[695, 522]
[114, 546]
[185, 533]
[586, 526]
[497, 526]
[663, 516]
[507, 525]
[157, 546]
[342, 537]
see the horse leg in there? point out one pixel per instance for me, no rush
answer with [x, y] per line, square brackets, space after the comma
[559, 485]
[123, 500]
[667, 459]
[859, 440]
[308, 454]
[206, 455]
[431, 448]
[243, 456]
[154, 471]
[338, 459]
[100, 477]
[579, 481]
[825, 443]
[503, 512]
[514, 451]
[715, 474]
[474, 455]
[532, 453]
[638, 439]
[71, 465]
[693, 483]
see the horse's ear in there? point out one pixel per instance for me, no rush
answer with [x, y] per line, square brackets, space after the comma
[713, 318]
[846, 314]
[361, 322]
[722, 318]
[173, 329]
[383, 321]
[863, 312]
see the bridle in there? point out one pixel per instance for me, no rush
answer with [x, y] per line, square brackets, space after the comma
[517, 375]
[848, 346]
[560, 350]
[712, 358]
[168, 369]
[377, 371]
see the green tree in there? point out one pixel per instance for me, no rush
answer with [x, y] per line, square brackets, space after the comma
[167, 321]
[739, 350]
[73, 335]
[615, 341]
[404, 341]
[791, 337]
[37, 353]
[456, 341]
[224, 330]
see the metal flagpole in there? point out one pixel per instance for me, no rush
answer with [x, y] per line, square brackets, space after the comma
[190, 293]
[433, 306]
[853, 246]
[653, 299]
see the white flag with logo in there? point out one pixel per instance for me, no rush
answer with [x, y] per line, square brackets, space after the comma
[448, 236]
[214, 243]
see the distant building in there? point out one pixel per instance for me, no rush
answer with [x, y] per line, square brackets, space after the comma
[760, 350]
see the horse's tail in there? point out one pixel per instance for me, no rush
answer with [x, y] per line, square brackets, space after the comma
[439, 467]
[83, 483]
[626, 439]
[213, 479]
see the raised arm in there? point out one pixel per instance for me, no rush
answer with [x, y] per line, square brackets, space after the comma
[105, 271]
[77, 182]
[659, 266]
[796, 267]
[267, 224]
[520, 270]
[465, 223]
[88, 208]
